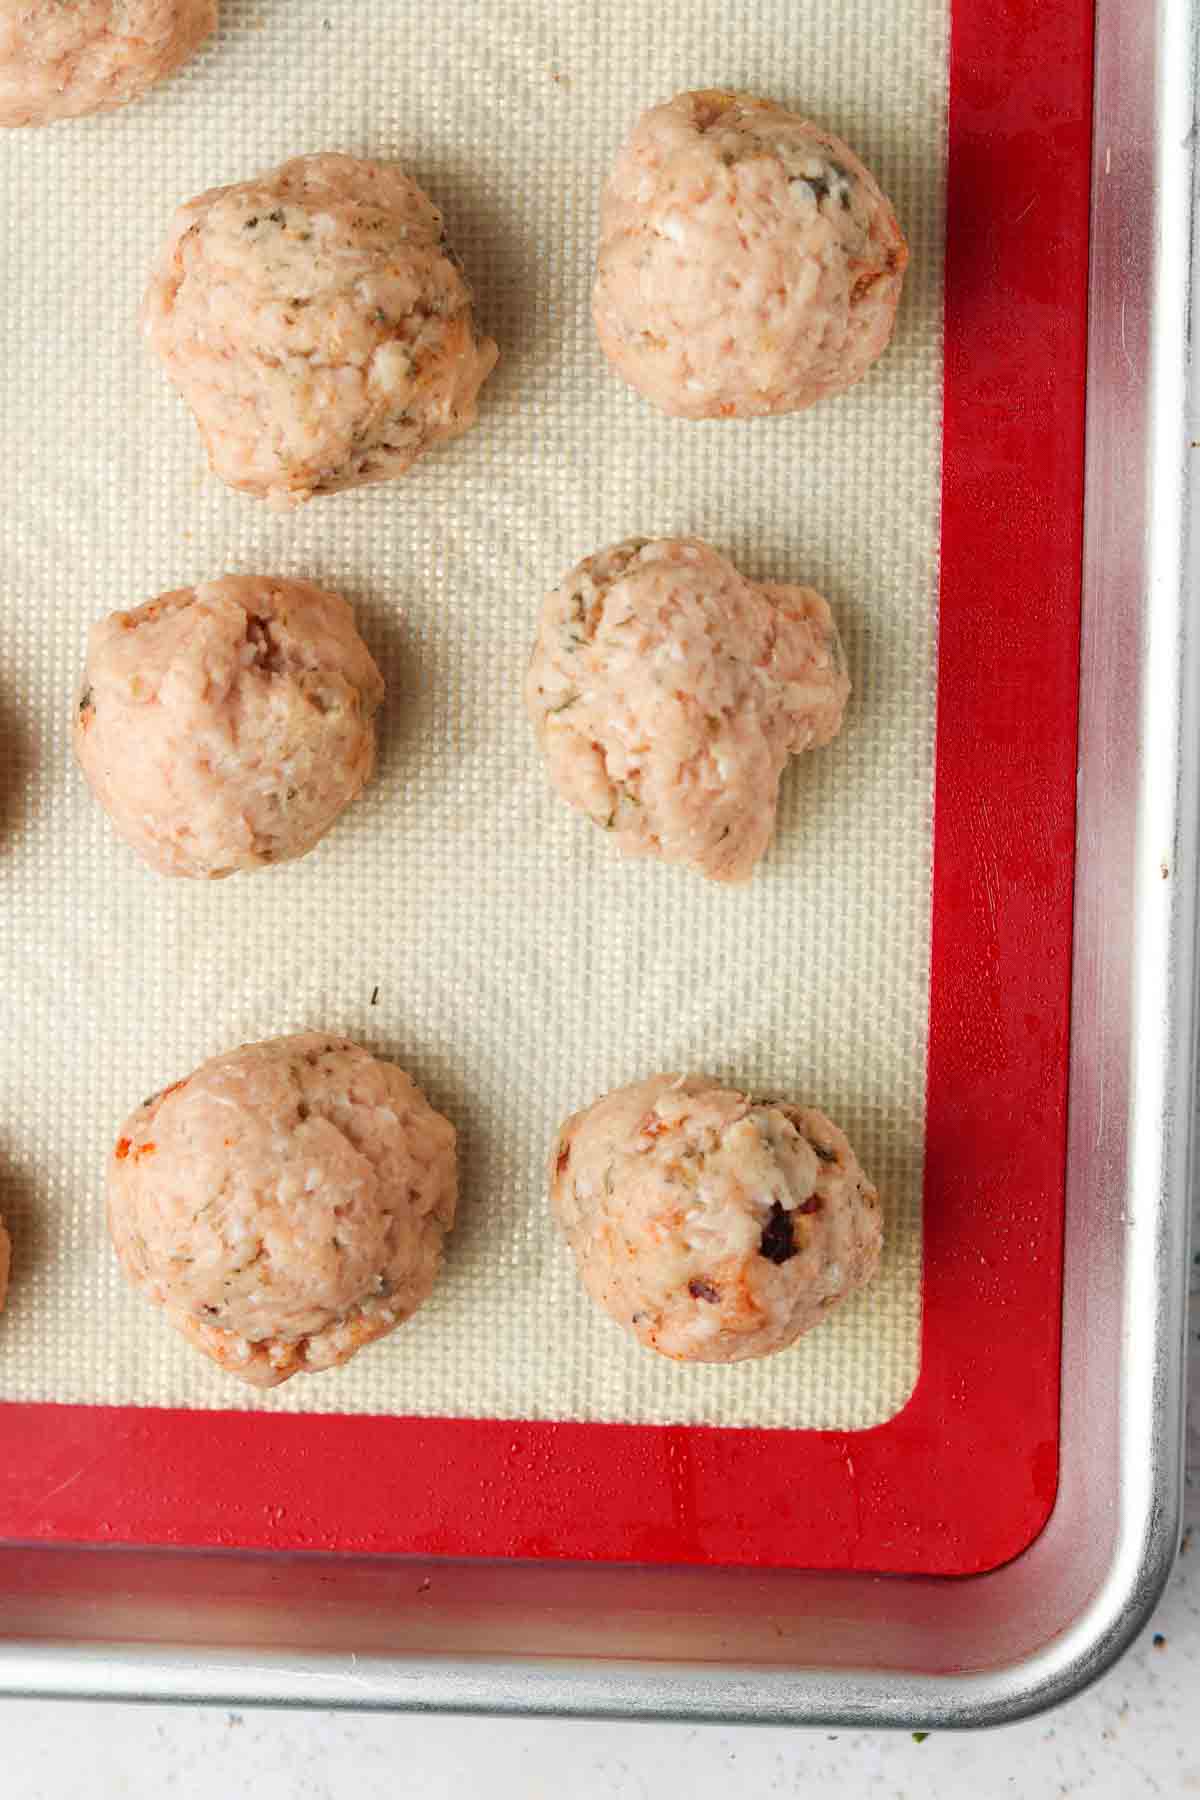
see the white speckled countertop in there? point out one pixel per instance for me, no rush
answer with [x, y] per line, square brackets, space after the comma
[1136, 1733]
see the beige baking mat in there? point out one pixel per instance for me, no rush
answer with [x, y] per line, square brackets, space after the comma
[461, 919]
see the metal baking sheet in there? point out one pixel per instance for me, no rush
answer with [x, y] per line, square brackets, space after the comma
[712, 1642]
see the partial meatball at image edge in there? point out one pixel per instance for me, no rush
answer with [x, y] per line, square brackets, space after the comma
[668, 693]
[286, 1204]
[319, 327]
[225, 728]
[711, 1226]
[66, 62]
[749, 263]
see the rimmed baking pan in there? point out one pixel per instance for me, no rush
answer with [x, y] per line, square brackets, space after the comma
[994, 1543]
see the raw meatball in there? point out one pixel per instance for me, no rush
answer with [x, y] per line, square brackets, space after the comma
[318, 326]
[668, 692]
[226, 726]
[748, 261]
[286, 1204]
[58, 60]
[712, 1226]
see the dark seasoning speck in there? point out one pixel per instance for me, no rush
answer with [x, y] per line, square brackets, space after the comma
[778, 1242]
[704, 1290]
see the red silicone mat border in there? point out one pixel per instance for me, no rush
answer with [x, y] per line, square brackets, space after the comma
[965, 1476]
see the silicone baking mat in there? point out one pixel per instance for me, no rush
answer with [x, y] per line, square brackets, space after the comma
[465, 923]
[517, 968]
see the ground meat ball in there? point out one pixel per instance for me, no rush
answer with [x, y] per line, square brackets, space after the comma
[226, 726]
[5, 1262]
[59, 60]
[286, 1204]
[318, 327]
[668, 693]
[748, 261]
[711, 1226]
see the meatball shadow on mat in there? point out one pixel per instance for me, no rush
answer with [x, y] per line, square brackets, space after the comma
[499, 262]
[901, 1166]
[238, 22]
[15, 764]
[385, 632]
[25, 1222]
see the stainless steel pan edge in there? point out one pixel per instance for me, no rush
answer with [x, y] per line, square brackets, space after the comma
[791, 1648]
